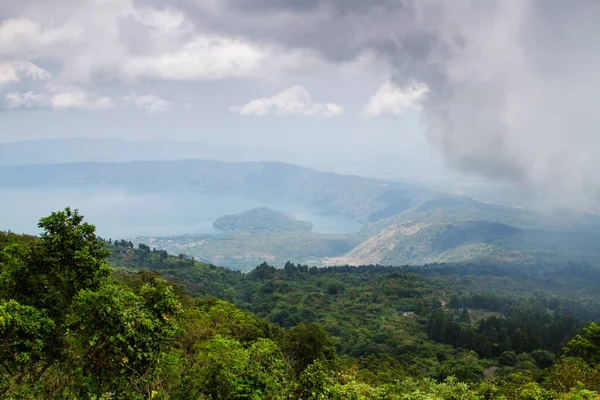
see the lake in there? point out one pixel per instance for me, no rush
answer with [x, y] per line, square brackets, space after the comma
[119, 213]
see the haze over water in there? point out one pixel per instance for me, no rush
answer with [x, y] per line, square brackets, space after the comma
[119, 213]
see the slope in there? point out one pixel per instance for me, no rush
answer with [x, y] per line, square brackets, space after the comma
[456, 229]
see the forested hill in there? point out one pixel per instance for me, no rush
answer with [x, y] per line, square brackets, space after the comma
[261, 220]
[70, 327]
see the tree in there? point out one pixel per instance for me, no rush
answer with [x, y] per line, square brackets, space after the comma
[23, 331]
[586, 347]
[465, 317]
[119, 335]
[223, 369]
[39, 283]
[306, 343]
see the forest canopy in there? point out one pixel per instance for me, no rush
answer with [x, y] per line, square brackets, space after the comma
[71, 326]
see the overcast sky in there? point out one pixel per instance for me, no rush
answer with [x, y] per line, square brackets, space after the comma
[505, 89]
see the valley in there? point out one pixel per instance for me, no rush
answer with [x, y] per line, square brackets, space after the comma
[178, 206]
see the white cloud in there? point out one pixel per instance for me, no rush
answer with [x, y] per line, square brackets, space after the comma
[203, 58]
[24, 99]
[13, 71]
[59, 98]
[149, 102]
[165, 21]
[93, 39]
[391, 99]
[211, 58]
[293, 101]
[75, 97]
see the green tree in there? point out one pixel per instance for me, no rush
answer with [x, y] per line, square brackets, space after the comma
[315, 382]
[118, 336]
[23, 330]
[586, 347]
[465, 316]
[39, 282]
[306, 343]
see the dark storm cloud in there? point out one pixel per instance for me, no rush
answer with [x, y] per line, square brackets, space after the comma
[337, 29]
[338, 6]
[514, 84]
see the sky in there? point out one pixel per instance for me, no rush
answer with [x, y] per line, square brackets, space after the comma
[502, 90]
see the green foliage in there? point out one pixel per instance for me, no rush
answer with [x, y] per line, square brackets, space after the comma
[23, 330]
[70, 250]
[200, 279]
[59, 310]
[425, 389]
[315, 382]
[587, 347]
[305, 344]
[242, 250]
[119, 335]
[70, 330]
[224, 369]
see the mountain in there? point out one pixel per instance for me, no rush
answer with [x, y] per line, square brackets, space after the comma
[70, 150]
[261, 220]
[401, 223]
[456, 229]
[364, 199]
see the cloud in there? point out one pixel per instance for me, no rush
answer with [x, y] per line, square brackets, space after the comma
[293, 101]
[149, 102]
[93, 40]
[13, 71]
[25, 99]
[58, 98]
[514, 88]
[68, 97]
[513, 85]
[339, 30]
[203, 58]
[391, 99]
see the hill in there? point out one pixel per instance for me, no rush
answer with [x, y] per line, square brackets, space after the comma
[261, 220]
[455, 229]
[242, 250]
[401, 223]
[365, 199]
[74, 328]
[72, 150]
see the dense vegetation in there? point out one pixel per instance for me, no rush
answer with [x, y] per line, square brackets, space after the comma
[243, 250]
[70, 327]
[261, 220]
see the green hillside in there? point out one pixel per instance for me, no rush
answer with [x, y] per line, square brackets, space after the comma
[456, 229]
[442, 229]
[71, 327]
[242, 250]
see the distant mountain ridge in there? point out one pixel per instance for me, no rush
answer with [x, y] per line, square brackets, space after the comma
[74, 150]
[365, 199]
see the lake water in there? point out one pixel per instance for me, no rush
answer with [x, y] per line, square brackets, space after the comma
[120, 213]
